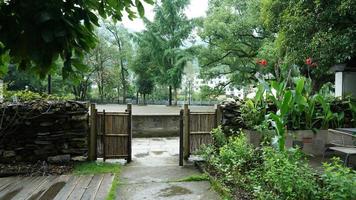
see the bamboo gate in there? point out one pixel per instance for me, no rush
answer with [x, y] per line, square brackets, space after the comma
[195, 129]
[110, 134]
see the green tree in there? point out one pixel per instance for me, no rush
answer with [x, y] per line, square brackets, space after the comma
[121, 38]
[232, 36]
[102, 60]
[165, 37]
[144, 66]
[145, 86]
[39, 32]
[321, 30]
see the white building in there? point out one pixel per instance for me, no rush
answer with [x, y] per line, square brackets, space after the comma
[192, 80]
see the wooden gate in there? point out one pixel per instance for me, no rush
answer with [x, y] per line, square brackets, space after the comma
[112, 134]
[195, 128]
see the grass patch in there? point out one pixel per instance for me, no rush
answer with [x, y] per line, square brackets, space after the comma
[113, 189]
[223, 191]
[85, 168]
[195, 177]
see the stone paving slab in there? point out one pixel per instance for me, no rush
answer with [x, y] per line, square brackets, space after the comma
[167, 191]
[130, 175]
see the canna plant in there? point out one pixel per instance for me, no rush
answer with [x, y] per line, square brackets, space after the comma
[327, 115]
[283, 99]
[279, 120]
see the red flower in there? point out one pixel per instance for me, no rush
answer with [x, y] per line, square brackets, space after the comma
[263, 62]
[308, 61]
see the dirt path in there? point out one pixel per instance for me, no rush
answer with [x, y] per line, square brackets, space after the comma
[154, 174]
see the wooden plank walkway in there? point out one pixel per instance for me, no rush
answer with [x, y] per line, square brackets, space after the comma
[65, 187]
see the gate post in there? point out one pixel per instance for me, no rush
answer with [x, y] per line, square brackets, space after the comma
[219, 115]
[92, 151]
[181, 121]
[103, 129]
[186, 130]
[129, 129]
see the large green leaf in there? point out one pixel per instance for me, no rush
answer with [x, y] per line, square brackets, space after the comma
[140, 8]
[286, 103]
[300, 85]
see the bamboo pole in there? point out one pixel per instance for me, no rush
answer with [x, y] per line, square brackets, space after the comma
[129, 145]
[186, 132]
[92, 151]
[181, 121]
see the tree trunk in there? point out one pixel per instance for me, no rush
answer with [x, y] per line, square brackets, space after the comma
[137, 98]
[118, 94]
[49, 85]
[175, 96]
[170, 96]
[144, 99]
[124, 87]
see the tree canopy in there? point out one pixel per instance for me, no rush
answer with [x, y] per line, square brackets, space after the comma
[39, 32]
[323, 31]
[232, 36]
[165, 36]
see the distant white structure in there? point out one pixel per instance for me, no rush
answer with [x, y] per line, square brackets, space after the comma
[345, 76]
[192, 80]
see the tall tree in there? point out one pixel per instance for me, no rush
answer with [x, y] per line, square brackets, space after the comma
[232, 36]
[166, 36]
[124, 44]
[102, 61]
[144, 66]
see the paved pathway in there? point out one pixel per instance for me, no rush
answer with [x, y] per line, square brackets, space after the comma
[63, 187]
[154, 174]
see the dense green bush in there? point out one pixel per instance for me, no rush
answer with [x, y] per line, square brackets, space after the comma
[26, 95]
[232, 158]
[284, 175]
[267, 173]
[339, 181]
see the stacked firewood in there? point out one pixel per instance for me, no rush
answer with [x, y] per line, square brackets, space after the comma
[231, 116]
[43, 130]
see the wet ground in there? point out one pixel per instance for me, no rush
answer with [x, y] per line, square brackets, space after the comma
[154, 174]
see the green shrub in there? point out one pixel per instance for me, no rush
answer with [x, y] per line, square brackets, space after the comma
[271, 174]
[219, 137]
[26, 95]
[232, 159]
[284, 175]
[236, 153]
[339, 181]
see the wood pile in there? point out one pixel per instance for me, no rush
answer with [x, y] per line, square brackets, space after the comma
[43, 130]
[231, 116]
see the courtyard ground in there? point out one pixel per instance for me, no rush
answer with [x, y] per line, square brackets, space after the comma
[154, 174]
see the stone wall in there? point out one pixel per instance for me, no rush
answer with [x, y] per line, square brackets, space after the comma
[40, 130]
[155, 125]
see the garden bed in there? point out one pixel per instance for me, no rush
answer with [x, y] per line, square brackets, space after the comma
[246, 172]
